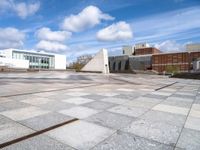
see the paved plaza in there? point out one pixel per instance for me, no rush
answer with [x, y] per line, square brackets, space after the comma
[113, 112]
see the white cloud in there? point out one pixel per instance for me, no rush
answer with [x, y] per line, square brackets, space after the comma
[51, 46]
[170, 46]
[47, 34]
[22, 9]
[11, 38]
[87, 18]
[115, 32]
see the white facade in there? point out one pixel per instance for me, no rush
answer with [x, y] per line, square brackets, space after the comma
[14, 63]
[35, 59]
[193, 47]
[141, 45]
[99, 63]
[128, 50]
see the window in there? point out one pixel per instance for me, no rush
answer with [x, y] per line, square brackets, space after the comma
[119, 65]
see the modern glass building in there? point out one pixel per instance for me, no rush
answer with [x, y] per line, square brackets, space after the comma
[37, 60]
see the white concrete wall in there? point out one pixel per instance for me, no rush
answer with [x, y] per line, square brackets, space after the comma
[99, 63]
[128, 50]
[14, 63]
[60, 62]
[7, 53]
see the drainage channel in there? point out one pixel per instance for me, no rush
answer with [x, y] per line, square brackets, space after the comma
[165, 86]
[35, 133]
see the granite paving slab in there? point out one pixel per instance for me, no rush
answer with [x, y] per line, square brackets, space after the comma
[45, 121]
[80, 134]
[40, 142]
[193, 123]
[78, 100]
[126, 141]
[171, 109]
[111, 120]
[189, 139]
[12, 130]
[99, 105]
[157, 131]
[79, 112]
[129, 111]
[168, 118]
[24, 113]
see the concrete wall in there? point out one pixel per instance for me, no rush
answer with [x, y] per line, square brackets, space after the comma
[99, 63]
[60, 62]
[14, 63]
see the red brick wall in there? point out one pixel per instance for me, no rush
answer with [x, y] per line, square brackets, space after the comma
[145, 51]
[180, 60]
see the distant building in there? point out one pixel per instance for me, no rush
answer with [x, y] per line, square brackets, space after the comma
[149, 58]
[128, 50]
[15, 58]
[193, 47]
[141, 45]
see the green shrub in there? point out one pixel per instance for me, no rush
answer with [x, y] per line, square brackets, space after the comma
[172, 69]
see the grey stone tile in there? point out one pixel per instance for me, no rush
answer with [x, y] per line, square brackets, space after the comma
[127, 96]
[78, 100]
[183, 96]
[99, 105]
[158, 131]
[45, 121]
[125, 141]
[79, 112]
[80, 134]
[40, 142]
[193, 123]
[94, 96]
[115, 100]
[112, 120]
[173, 101]
[24, 113]
[56, 106]
[13, 105]
[155, 96]
[189, 139]
[11, 131]
[4, 120]
[169, 118]
[129, 111]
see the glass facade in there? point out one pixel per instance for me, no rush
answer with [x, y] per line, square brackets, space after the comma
[36, 61]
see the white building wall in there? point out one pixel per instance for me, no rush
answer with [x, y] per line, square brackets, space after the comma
[99, 63]
[14, 63]
[128, 50]
[60, 62]
[7, 53]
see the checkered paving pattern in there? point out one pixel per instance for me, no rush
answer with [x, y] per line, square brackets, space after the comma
[112, 114]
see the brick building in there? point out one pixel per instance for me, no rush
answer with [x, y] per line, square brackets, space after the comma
[182, 61]
[146, 51]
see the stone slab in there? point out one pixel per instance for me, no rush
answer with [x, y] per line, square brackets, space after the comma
[79, 112]
[111, 120]
[125, 141]
[171, 109]
[24, 113]
[80, 134]
[129, 111]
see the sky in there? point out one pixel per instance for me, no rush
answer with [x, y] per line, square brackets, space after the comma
[78, 27]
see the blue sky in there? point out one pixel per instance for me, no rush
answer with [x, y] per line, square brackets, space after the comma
[77, 27]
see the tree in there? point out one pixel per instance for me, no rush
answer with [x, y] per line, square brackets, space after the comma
[80, 62]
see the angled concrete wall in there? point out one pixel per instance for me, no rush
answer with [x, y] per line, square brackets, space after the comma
[99, 63]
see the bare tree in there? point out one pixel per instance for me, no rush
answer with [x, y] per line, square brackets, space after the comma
[80, 62]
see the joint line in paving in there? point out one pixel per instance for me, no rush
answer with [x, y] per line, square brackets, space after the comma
[36, 133]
